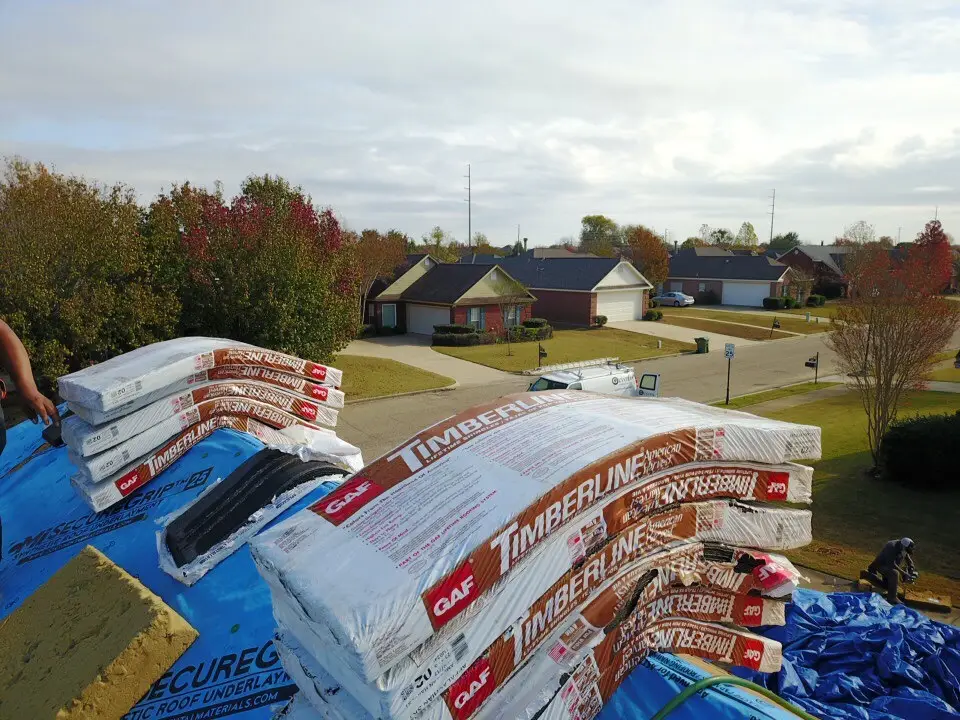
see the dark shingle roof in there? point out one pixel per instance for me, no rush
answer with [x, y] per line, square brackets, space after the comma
[686, 264]
[479, 259]
[445, 283]
[833, 256]
[566, 273]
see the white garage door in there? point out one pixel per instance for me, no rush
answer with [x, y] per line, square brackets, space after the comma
[620, 304]
[422, 318]
[745, 293]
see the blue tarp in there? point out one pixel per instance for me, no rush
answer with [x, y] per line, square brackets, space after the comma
[231, 670]
[852, 656]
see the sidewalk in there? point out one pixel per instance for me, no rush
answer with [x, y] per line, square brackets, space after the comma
[415, 350]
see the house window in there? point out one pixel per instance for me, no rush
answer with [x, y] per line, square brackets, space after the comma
[476, 316]
[388, 316]
[702, 287]
[371, 310]
[514, 313]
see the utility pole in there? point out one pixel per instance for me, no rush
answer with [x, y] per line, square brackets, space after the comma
[898, 234]
[773, 209]
[469, 210]
[936, 213]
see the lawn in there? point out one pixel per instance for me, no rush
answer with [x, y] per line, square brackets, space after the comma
[723, 328]
[946, 375]
[758, 319]
[367, 377]
[761, 397]
[569, 346]
[827, 311]
[853, 514]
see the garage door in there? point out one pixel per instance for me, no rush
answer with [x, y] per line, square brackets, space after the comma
[422, 318]
[620, 304]
[745, 293]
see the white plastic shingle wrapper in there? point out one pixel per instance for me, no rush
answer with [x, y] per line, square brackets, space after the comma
[86, 439]
[191, 572]
[551, 583]
[326, 447]
[131, 377]
[415, 538]
[299, 708]
[107, 463]
[299, 386]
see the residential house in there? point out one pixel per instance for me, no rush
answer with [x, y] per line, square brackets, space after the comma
[429, 293]
[574, 290]
[733, 278]
[825, 264]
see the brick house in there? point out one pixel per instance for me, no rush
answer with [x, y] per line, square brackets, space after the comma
[574, 289]
[733, 278]
[429, 293]
[825, 264]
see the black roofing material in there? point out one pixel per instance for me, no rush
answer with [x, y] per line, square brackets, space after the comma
[227, 507]
[574, 273]
[686, 264]
[445, 283]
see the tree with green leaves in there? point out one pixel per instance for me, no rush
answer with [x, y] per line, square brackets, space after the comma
[721, 237]
[511, 296]
[517, 249]
[693, 242]
[746, 236]
[784, 241]
[599, 235]
[441, 245]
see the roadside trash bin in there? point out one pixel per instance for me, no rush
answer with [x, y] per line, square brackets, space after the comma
[808, 317]
[703, 345]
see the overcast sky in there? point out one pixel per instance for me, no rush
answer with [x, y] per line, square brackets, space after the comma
[671, 113]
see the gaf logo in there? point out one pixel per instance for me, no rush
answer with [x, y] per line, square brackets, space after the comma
[338, 506]
[318, 371]
[752, 653]
[319, 392]
[473, 687]
[308, 411]
[448, 599]
[753, 609]
[128, 483]
[777, 487]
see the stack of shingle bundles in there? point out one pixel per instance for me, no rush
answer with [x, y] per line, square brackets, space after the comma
[430, 580]
[136, 414]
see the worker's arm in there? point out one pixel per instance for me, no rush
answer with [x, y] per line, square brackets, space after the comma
[908, 561]
[14, 358]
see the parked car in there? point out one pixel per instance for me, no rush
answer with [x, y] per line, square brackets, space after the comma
[605, 379]
[676, 299]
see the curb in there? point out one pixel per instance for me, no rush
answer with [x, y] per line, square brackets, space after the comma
[445, 388]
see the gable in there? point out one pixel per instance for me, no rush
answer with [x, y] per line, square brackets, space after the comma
[622, 276]
[414, 273]
[486, 287]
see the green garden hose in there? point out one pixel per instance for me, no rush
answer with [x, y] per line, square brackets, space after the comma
[728, 680]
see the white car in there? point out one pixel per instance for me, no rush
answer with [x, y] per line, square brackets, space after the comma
[606, 379]
[676, 299]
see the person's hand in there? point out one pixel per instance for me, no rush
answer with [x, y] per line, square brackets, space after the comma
[38, 407]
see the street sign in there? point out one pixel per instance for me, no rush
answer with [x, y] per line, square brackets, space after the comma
[728, 351]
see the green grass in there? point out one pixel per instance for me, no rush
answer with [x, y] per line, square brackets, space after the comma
[723, 328]
[568, 346]
[775, 394]
[854, 514]
[946, 375]
[758, 319]
[827, 311]
[367, 377]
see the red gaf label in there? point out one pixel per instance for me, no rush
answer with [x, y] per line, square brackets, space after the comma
[448, 599]
[771, 575]
[340, 505]
[469, 692]
[318, 371]
[752, 653]
[777, 485]
[752, 611]
[129, 482]
[319, 392]
[308, 411]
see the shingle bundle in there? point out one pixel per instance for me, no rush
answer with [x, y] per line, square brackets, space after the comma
[138, 413]
[477, 568]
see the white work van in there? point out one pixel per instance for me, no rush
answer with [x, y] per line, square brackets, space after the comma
[606, 379]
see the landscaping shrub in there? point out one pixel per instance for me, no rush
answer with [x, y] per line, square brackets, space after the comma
[454, 329]
[790, 303]
[831, 292]
[816, 301]
[528, 334]
[600, 320]
[708, 297]
[653, 315]
[774, 303]
[367, 330]
[463, 339]
[654, 303]
[535, 323]
[923, 452]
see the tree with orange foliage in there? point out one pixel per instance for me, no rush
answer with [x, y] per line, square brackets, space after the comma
[887, 334]
[649, 253]
[932, 250]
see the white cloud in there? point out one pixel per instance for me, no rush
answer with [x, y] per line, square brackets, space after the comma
[670, 113]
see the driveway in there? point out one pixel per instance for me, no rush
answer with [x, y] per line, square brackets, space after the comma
[415, 350]
[684, 334]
